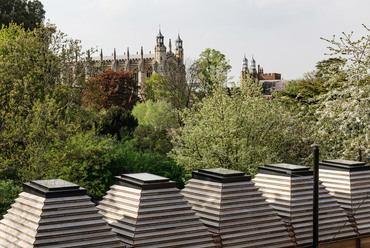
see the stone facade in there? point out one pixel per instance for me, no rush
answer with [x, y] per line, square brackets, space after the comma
[144, 65]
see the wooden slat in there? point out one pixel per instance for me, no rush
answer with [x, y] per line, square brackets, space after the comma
[238, 213]
[352, 191]
[68, 222]
[293, 202]
[153, 218]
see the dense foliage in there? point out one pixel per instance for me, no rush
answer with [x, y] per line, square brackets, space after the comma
[111, 88]
[211, 69]
[156, 120]
[25, 12]
[58, 120]
[334, 100]
[117, 122]
[8, 192]
[45, 132]
[236, 129]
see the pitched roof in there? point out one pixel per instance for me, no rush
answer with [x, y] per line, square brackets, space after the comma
[288, 188]
[230, 205]
[348, 182]
[146, 210]
[55, 213]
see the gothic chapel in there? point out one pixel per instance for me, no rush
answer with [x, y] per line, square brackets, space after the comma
[143, 65]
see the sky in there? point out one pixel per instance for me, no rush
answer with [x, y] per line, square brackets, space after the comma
[283, 36]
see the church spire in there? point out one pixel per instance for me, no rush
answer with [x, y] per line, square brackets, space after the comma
[245, 64]
[179, 51]
[253, 68]
[160, 48]
[160, 38]
[178, 42]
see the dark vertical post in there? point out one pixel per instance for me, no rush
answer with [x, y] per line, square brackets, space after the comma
[315, 226]
[360, 154]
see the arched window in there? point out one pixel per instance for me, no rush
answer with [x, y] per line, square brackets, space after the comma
[149, 72]
[136, 75]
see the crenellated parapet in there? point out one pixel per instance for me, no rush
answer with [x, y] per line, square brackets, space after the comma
[143, 65]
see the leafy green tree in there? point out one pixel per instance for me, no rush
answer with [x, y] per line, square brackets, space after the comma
[156, 120]
[211, 68]
[39, 108]
[25, 12]
[118, 122]
[8, 192]
[158, 114]
[333, 102]
[171, 87]
[129, 160]
[235, 129]
[34, 64]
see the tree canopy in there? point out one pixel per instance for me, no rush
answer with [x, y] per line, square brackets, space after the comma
[342, 115]
[334, 100]
[235, 129]
[210, 69]
[26, 12]
[111, 88]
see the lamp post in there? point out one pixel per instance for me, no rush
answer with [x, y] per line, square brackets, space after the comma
[315, 214]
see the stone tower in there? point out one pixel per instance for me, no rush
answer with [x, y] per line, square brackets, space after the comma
[160, 48]
[143, 65]
[253, 68]
[179, 51]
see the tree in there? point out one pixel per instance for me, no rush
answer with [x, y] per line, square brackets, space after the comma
[211, 68]
[109, 89]
[8, 191]
[35, 64]
[171, 86]
[39, 108]
[235, 129]
[158, 114]
[156, 120]
[117, 122]
[342, 120]
[25, 12]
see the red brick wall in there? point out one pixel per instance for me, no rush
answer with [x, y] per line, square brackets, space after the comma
[264, 76]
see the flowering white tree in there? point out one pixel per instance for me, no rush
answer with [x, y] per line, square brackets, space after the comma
[342, 115]
[237, 129]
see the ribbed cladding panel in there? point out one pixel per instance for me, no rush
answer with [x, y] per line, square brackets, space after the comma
[351, 190]
[19, 226]
[238, 213]
[291, 197]
[73, 221]
[153, 217]
[55, 222]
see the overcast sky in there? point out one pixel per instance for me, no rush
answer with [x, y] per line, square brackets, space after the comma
[282, 35]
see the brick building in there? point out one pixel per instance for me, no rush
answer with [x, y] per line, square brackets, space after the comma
[257, 72]
[269, 81]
